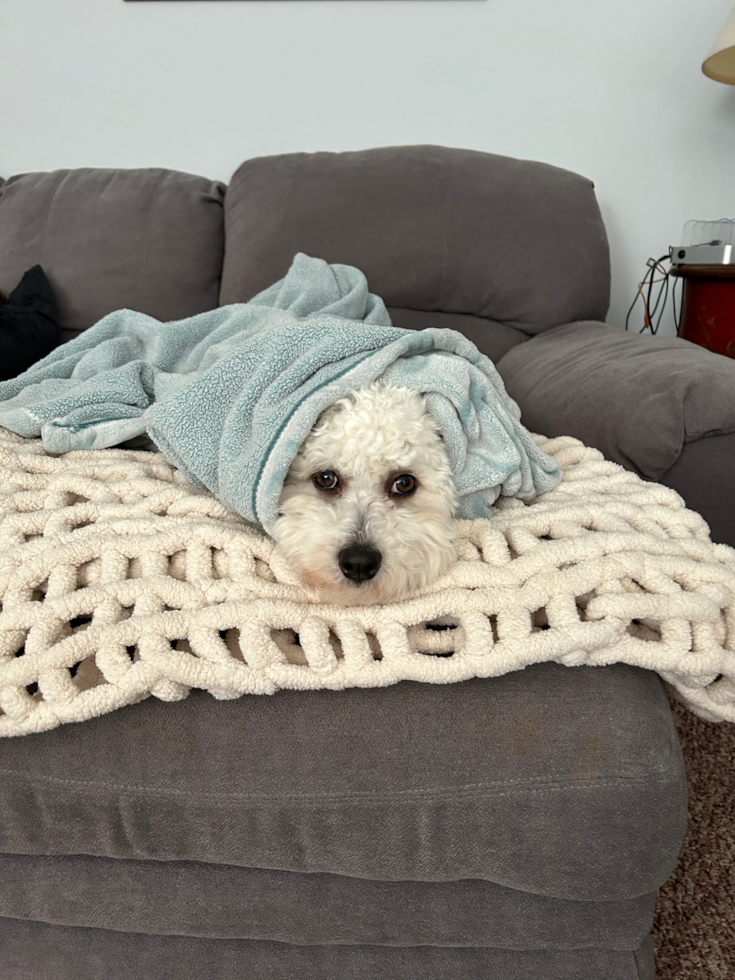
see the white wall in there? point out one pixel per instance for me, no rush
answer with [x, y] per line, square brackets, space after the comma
[610, 89]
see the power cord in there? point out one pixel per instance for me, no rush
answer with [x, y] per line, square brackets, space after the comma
[656, 275]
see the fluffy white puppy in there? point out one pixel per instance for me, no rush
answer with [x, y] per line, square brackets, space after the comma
[366, 510]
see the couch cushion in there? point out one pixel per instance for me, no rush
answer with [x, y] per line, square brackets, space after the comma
[36, 951]
[493, 339]
[565, 782]
[638, 399]
[150, 240]
[213, 900]
[434, 229]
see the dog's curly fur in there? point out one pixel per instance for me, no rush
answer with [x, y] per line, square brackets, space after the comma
[367, 441]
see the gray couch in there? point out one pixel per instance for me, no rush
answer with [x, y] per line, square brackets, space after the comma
[508, 829]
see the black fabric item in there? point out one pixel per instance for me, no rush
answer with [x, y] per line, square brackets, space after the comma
[35, 951]
[29, 327]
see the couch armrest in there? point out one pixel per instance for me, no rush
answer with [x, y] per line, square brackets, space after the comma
[704, 475]
[638, 399]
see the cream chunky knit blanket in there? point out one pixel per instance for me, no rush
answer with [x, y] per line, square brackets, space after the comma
[119, 579]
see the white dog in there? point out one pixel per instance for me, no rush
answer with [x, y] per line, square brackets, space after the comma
[366, 510]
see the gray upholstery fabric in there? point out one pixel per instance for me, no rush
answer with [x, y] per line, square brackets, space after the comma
[151, 240]
[35, 951]
[216, 901]
[639, 399]
[493, 339]
[566, 782]
[704, 475]
[433, 228]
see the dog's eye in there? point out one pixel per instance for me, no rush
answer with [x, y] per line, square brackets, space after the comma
[404, 484]
[326, 480]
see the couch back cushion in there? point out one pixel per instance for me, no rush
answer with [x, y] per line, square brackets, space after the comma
[516, 245]
[151, 240]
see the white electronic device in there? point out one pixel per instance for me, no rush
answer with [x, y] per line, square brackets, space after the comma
[706, 243]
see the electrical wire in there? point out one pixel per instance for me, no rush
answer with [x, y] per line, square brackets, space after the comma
[663, 291]
[663, 305]
[645, 294]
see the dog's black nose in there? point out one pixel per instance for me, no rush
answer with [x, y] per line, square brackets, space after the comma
[359, 562]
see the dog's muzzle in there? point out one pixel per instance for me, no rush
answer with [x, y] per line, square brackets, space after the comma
[359, 562]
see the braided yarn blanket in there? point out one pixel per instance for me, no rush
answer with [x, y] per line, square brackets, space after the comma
[119, 579]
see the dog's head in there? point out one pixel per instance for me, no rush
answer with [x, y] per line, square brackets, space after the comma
[366, 510]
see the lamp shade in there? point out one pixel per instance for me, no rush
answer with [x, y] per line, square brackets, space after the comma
[720, 62]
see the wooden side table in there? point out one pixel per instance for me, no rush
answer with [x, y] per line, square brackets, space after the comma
[708, 306]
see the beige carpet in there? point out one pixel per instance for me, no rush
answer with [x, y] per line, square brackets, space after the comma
[694, 929]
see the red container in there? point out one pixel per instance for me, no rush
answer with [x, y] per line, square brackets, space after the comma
[708, 306]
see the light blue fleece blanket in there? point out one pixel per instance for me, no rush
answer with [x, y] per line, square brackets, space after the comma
[229, 395]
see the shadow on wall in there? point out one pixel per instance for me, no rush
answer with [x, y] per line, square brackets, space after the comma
[621, 263]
